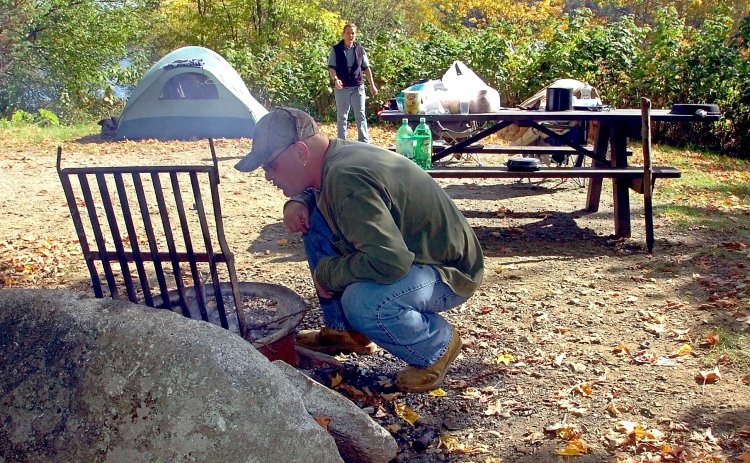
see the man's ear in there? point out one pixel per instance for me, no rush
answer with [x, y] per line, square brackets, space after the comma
[301, 153]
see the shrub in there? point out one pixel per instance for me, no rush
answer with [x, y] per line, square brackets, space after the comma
[47, 118]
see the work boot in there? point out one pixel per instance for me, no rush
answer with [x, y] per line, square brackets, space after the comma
[332, 342]
[413, 379]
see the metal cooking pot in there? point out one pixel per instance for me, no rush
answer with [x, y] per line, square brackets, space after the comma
[559, 99]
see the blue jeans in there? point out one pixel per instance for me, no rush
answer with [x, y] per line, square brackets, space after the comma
[351, 98]
[402, 317]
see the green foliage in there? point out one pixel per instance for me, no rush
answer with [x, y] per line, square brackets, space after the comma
[47, 117]
[62, 51]
[44, 118]
[21, 116]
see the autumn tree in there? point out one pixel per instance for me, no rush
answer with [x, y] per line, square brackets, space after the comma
[60, 54]
[481, 13]
[692, 11]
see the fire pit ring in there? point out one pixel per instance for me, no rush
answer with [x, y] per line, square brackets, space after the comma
[271, 324]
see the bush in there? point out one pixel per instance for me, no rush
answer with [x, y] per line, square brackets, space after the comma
[47, 118]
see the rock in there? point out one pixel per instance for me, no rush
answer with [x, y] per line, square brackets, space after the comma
[359, 438]
[101, 380]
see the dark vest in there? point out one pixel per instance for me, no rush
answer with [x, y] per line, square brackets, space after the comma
[350, 77]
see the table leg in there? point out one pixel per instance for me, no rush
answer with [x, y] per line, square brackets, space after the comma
[601, 141]
[620, 187]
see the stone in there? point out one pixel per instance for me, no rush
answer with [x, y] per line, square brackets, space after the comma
[358, 437]
[102, 380]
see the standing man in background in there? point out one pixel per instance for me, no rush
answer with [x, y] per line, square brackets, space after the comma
[347, 62]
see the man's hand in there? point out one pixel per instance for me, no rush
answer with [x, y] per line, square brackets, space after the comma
[373, 89]
[296, 217]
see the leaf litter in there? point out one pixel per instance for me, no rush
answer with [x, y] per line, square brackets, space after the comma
[569, 322]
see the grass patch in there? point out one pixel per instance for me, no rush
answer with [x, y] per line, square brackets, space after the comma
[712, 196]
[24, 133]
[707, 178]
[733, 348]
[708, 218]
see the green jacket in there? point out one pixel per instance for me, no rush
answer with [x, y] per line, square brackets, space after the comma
[387, 214]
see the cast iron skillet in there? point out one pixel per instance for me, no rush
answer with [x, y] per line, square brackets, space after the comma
[524, 164]
[690, 108]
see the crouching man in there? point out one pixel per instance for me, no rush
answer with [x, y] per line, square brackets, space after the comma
[387, 247]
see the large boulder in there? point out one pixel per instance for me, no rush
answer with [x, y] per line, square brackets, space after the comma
[102, 380]
[358, 437]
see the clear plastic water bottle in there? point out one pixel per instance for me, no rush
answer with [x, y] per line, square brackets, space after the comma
[423, 145]
[405, 140]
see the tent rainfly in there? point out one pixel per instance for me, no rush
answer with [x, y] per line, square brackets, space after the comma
[190, 93]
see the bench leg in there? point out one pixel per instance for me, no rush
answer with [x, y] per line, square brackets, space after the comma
[594, 194]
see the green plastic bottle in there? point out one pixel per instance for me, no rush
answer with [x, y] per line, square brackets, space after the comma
[423, 145]
[405, 140]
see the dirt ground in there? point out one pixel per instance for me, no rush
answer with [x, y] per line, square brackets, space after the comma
[576, 343]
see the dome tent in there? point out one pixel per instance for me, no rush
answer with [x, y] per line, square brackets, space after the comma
[192, 92]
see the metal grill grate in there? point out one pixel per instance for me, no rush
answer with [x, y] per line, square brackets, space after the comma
[146, 229]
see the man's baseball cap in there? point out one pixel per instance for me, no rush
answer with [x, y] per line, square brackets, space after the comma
[277, 129]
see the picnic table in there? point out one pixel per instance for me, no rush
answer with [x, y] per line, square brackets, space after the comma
[608, 155]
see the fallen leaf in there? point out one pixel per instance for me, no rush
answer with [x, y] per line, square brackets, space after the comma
[653, 328]
[282, 242]
[583, 389]
[564, 431]
[438, 393]
[505, 359]
[685, 349]
[621, 348]
[710, 340]
[323, 421]
[708, 377]
[706, 436]
[644, 357]
[454, 445]
[472, 392]
[616, 409]
[497, 408]
[574, 448]
[666, 362]
[578, 367]
[336, 380]
[406, 414]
